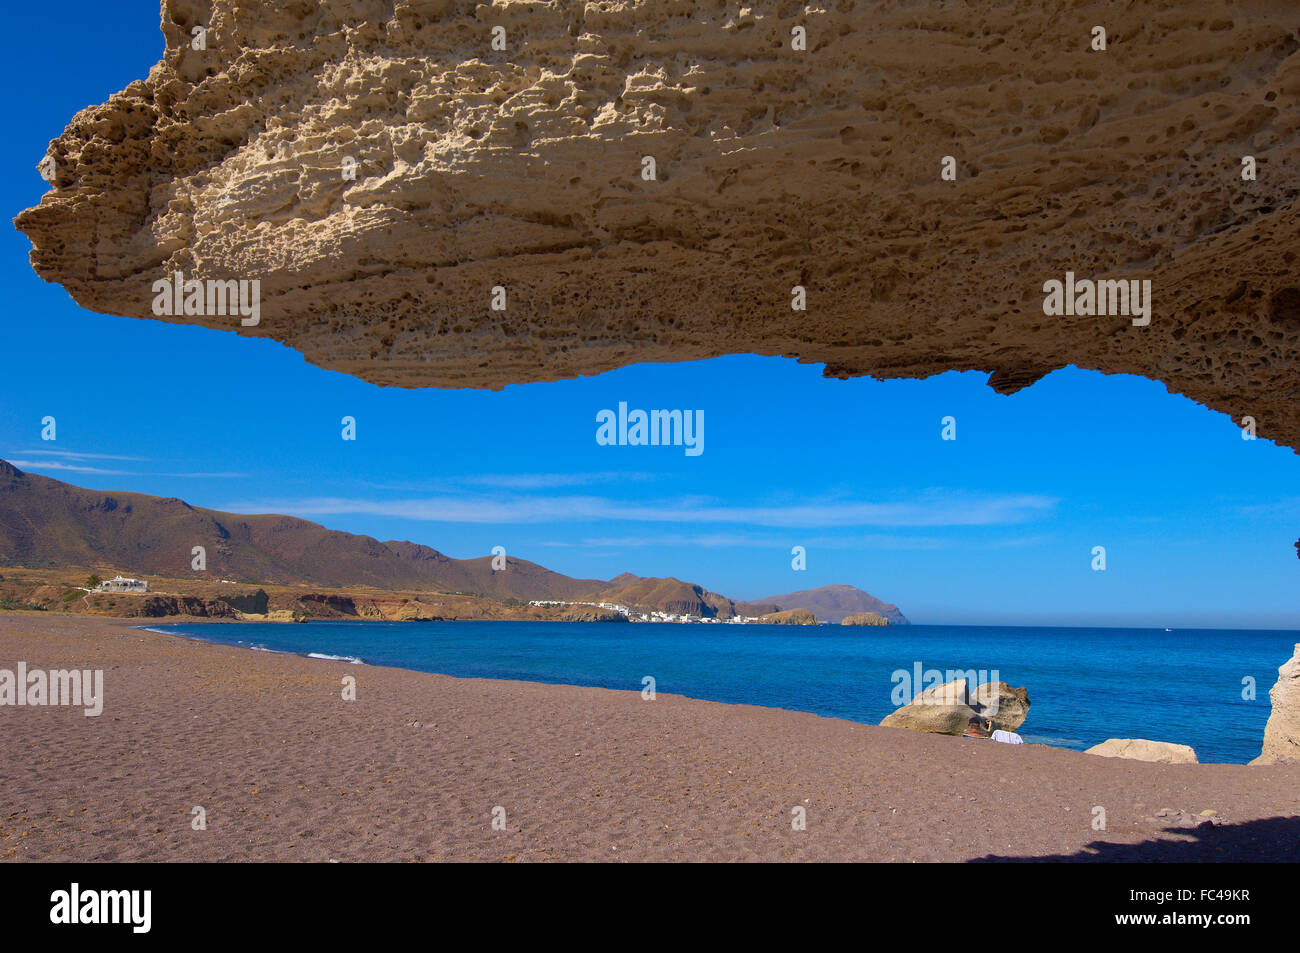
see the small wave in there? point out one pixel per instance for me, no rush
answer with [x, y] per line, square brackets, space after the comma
[1054, 741]
[336, 658]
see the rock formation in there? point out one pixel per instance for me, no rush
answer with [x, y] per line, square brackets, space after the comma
[248, 603]
[380, 168]
[591, 614]
[947, 709]
[864, 618]
[1140, 749]
[158, 606]
[789, 617]
[1282, 733]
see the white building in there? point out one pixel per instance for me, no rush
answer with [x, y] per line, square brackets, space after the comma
[122, 584]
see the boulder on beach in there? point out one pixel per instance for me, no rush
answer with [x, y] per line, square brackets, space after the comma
[1140, 749]
[1282, 733]
[947, 709]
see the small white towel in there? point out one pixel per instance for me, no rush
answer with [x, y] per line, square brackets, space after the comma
[1008, 737]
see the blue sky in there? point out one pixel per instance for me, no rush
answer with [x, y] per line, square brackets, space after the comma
[995, 527]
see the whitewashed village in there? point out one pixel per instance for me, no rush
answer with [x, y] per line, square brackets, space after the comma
[636, 615]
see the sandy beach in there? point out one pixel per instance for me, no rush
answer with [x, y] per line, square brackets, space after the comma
[412, 770]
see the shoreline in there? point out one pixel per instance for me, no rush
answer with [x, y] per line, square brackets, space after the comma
[354, 660]
[1031, 737]
[413, 768]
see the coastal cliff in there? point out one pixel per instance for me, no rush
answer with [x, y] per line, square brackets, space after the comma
[1282, 733]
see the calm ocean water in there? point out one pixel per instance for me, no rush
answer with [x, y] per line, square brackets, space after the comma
[1085, 685]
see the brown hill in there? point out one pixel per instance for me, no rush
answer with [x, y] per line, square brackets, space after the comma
[667, 595]
[45, 522]
[831, 603]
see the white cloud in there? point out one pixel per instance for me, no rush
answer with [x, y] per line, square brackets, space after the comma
[534, 481]
[741, 541]
[55, 465]
[216, 475]
[512, 481]
[928, 509]
[78, 456]
[59, 466]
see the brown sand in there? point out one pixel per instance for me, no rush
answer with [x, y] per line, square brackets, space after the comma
[412, 770]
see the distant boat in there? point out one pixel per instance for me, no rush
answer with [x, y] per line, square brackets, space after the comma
[1169, 630]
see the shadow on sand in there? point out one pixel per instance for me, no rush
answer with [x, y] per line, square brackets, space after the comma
[1269, 839]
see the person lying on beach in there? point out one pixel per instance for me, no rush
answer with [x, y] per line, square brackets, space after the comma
[975, 730]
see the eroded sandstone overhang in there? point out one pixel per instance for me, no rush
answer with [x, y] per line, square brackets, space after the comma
[775, 167]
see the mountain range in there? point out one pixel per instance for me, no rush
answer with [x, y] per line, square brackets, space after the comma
[48, 523]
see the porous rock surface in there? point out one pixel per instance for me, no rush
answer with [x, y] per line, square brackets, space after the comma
[1141, 749]
[1282, 733]
[775, 167]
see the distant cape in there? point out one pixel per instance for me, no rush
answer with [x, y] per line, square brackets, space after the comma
[829, 603]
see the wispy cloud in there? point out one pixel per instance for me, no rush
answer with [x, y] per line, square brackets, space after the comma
[512, 481]
[745, 541]
[1286, 508]
[73, 454]
[535, 481]
[56, 465]
[742, 541]
[66, 457]
[933, 509]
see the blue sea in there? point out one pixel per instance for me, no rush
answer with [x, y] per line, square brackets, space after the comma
[1085, 685]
